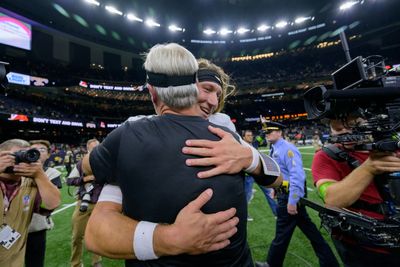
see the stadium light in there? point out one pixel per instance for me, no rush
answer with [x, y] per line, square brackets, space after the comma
[224, 31]
[242, 30]
[263, 28]
[174, 28]
[133, 18]
[281, 24]
[302, 19]
[209, 31]
[92, 2]
[113, 10]
[348, 5]
[152, 23]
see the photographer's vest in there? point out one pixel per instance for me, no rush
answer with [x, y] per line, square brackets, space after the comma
[18, 217]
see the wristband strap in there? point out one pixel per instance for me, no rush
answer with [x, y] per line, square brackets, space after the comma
[143, 241]
[255, 161]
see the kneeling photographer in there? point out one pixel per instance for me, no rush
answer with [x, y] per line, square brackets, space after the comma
[24, 189]
[87, 194]
[357, 175]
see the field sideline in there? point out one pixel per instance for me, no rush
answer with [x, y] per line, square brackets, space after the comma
[260, 231]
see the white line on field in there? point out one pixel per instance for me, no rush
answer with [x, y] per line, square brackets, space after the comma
[308, 188]
[64, 208]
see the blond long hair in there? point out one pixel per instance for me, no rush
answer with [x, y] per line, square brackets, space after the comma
[227, 87]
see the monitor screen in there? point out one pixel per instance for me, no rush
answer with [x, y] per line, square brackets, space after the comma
[349, 75]
[14, 32]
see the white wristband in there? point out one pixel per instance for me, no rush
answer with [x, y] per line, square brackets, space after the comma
[254, 162]
[143, 241]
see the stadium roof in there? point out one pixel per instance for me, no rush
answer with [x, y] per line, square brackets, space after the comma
[137, 24]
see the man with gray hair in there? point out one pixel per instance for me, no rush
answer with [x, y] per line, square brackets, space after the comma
[145, 159]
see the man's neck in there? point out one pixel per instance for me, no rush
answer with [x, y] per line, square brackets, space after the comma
[192, 111]
[276, 141]
[9, 178]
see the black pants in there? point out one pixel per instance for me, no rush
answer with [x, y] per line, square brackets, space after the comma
[35, 249]
[357, 256]
[285, 226]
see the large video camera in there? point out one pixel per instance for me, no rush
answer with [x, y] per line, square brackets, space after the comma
[26, 156]
[363, 88]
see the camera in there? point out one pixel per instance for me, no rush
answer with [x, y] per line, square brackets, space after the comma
[363, 88]
[86, 197]
[26, 156]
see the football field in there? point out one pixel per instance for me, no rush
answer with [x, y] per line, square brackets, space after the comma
[260, 231]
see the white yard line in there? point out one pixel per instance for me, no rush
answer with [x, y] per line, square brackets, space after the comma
[64, 208]
[308, 188]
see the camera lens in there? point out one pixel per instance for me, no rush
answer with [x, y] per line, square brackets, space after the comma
[31, 155]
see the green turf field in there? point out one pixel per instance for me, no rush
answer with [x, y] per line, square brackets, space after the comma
[260, 231]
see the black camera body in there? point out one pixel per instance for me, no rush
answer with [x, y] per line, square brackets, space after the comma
[86, 196]
[24, 156]
[361, 89]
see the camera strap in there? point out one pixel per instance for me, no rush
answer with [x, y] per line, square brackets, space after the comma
[338, 154]
[6, 200]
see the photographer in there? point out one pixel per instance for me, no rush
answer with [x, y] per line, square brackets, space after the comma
[41, 222]
[88, 194]
[343, 186]
[24, 185]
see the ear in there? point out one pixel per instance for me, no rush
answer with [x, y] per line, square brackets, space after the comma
[153, 93]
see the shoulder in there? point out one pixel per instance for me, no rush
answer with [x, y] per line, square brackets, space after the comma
[322, 156]
[139, 117]
[222, 119]
[132, 124]
[289, 147]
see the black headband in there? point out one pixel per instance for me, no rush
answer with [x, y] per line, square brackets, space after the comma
[208, 75]
[163, 80]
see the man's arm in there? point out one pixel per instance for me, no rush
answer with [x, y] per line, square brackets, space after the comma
[86, 165]
[296, 177]
[227, 155]
[51, 196]
[345, 192]
[110, 233]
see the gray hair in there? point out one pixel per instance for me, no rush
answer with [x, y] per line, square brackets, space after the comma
[173, 60]
[7, 145]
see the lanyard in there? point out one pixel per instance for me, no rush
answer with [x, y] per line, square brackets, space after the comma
[6, 200]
